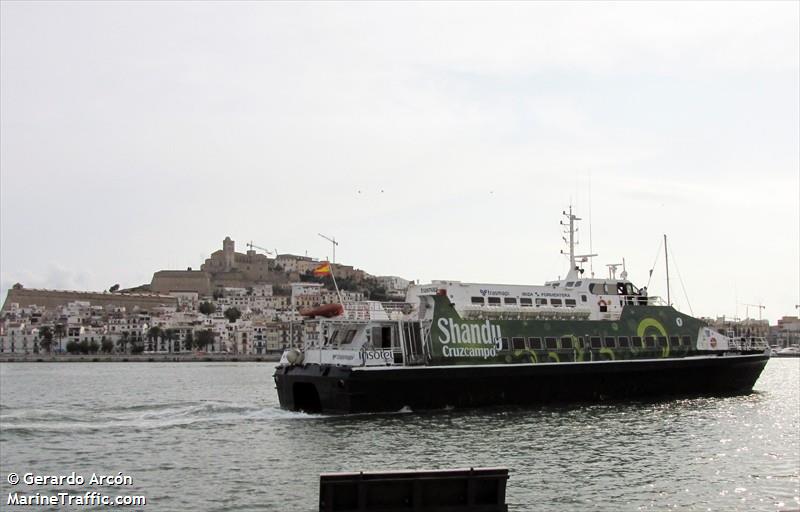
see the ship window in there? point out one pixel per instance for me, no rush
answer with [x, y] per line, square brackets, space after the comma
[674, 341]
[525, 301]
[636, 341]
[623, 342]
[332, 339]
[566, 342]
[518, 343]
[348, 337]
[650, 341]
[595, 341]
[686, 340]
[510, 300]
[504, 343]
[570, 284]
[570, 303]
[535, 343]
[578, 283]
[662, 341]
[550, 343]
[609, 342]
[494, 300]
[541, 302]
[555, 303]
[583, 298]
[477, 300]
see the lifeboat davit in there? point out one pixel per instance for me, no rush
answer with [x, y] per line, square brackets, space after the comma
[326, 310]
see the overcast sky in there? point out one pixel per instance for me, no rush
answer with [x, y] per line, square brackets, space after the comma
[433, 140]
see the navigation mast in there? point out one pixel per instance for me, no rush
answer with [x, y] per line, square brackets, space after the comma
[574, 270]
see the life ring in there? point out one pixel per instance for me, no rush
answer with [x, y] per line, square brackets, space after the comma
[602, 303]
[713, 342]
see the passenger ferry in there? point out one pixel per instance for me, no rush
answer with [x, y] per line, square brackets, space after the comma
[454, 344]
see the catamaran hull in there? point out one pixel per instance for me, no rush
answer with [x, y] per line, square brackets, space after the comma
[340, 389]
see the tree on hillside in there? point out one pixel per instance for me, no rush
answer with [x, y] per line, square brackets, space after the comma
[60, 331]
[204, 339]
[106, 345]
[46, 333]
[233, 314]
[73, 347]
[188, 341]
[206, 308]
[152, 336]
[170, 335]
[123, 342]
[94, 347]
[114, 288]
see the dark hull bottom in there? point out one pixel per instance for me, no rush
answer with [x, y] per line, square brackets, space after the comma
[336, 389]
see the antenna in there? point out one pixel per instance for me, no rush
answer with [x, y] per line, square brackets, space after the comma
[591, 267]
[333, 242]
[666, 262]
[612, 269]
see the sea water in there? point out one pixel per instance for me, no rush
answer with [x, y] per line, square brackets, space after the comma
[210, 436]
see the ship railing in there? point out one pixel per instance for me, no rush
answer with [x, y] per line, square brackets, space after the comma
[748, 343]
[374, 310]
[641, 300]
[562, 313]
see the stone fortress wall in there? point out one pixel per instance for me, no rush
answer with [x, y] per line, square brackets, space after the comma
[54, 298]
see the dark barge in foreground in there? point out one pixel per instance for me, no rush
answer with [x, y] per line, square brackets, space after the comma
[455, 344]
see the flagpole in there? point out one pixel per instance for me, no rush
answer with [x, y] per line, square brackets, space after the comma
[336, 286]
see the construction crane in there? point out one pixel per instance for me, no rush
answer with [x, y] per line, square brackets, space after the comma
[252, 246]
[747, 311]
[333, 242]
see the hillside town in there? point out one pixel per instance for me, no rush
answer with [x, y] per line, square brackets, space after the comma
[236, 303]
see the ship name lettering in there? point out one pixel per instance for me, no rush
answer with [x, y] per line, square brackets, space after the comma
[452, 332]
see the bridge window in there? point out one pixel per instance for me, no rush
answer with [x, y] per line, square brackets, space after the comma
[494, 300]
[348, 337]
[624, 342]
[595, 341]
[518, 343]
[570, 303]
[662, 341]
[566, 342]
[541, 302]
[650, 341]
[636, 342]
[525, 301]
[535, 343]
[504, 343]
[510, 300]
[686, 340]
[477, 300]
[569, 284]
[332, 339]
[674, 341]
[609, 342]
[550, 343]
[555, 303]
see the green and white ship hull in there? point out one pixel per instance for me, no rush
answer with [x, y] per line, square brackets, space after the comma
[454, 344]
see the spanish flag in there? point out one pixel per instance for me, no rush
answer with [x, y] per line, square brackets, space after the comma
[323, 270]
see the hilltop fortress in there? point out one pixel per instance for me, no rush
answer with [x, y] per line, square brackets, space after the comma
[224, 268]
